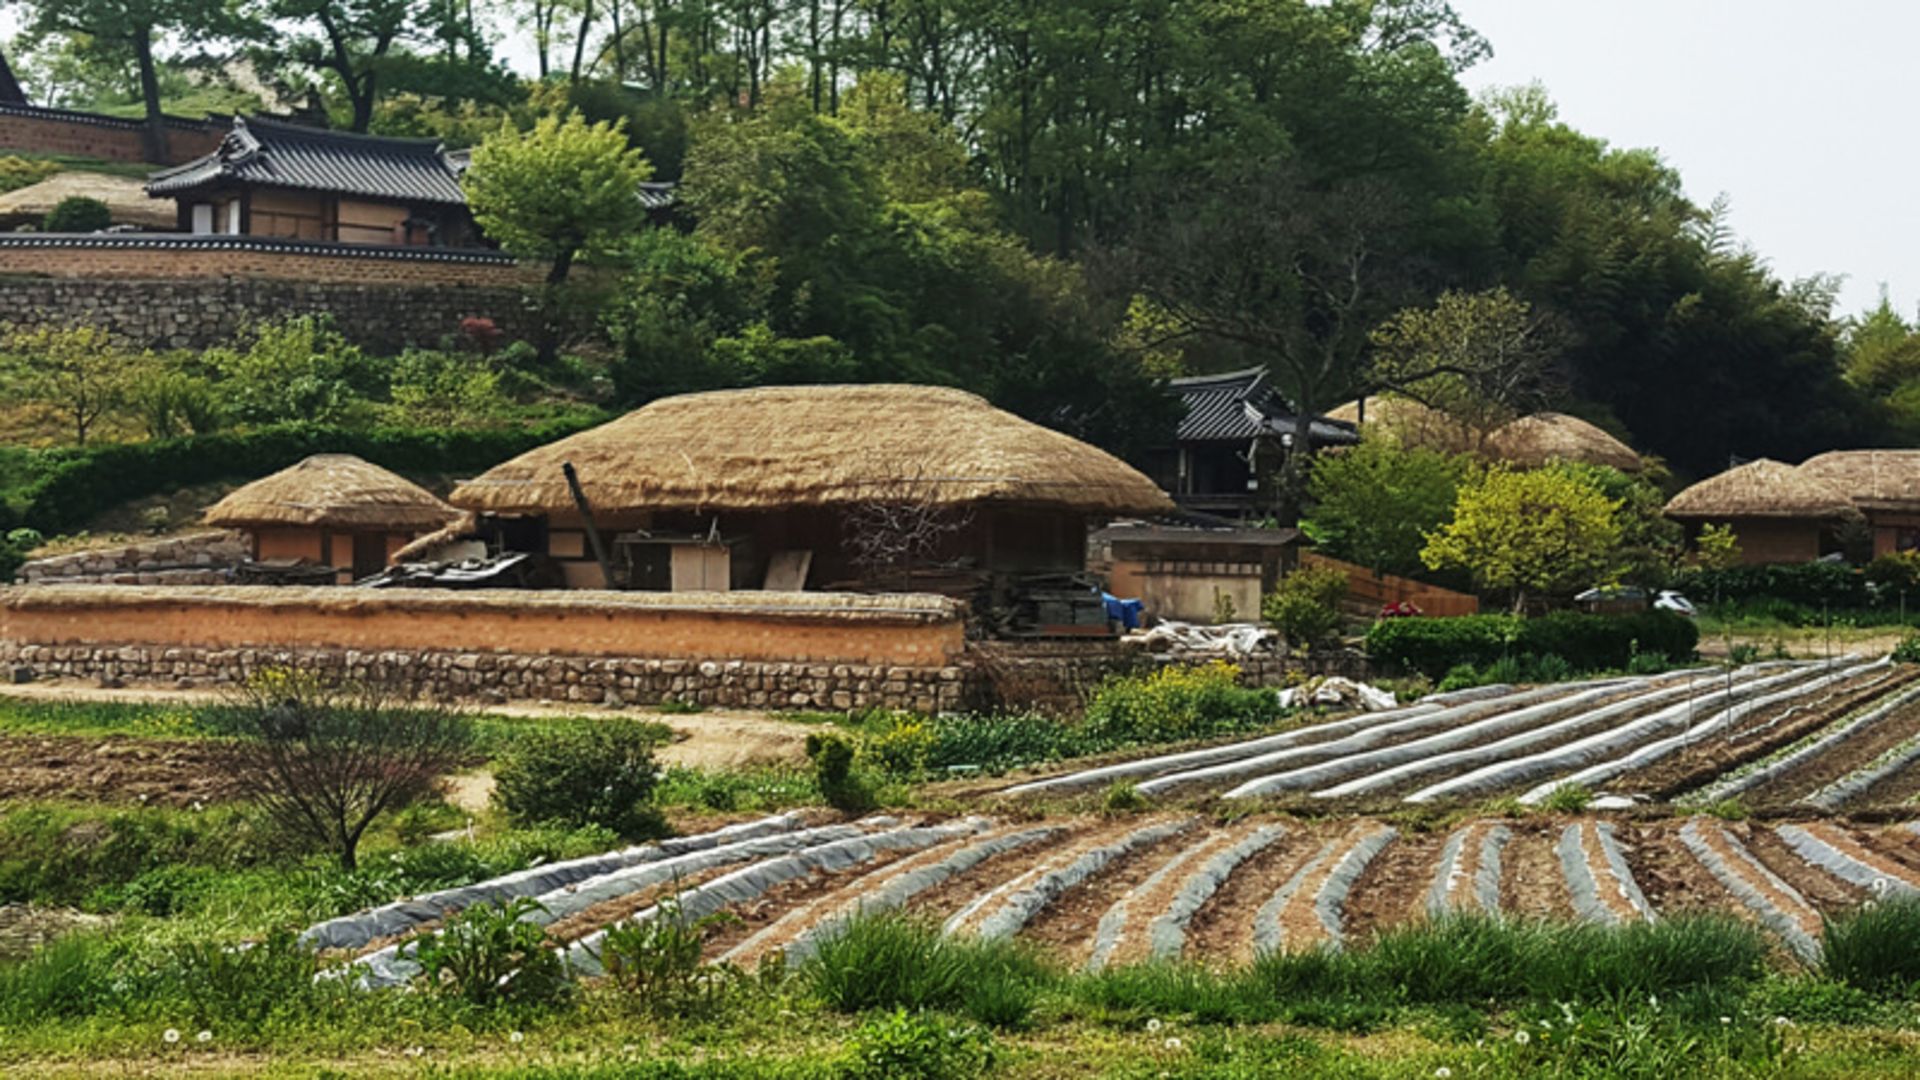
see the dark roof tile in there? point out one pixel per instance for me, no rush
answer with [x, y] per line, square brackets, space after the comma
[274, 153]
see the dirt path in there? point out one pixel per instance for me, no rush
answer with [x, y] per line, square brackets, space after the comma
[721, 739]
[116, 769]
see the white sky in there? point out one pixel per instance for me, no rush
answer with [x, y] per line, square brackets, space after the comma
[1791, 108]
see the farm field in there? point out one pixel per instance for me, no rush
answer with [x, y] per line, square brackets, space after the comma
[1156, 912]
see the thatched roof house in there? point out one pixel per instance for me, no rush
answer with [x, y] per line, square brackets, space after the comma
[334, 509]
[1883, 484]
[1779, 513]
[776, 470]
[126, 199]
[1533, 441]
[1408, 423]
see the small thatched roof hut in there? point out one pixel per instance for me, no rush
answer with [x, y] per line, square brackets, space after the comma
[332, 509]
[1762, 489]
[780, 447]
[1536, 440]
[338, 491]
[1884, 485]
[126, 199]
[1779, 513]
[1883, 480]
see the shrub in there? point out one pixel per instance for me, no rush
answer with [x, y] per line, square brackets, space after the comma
[323, 760]
[833, 771]
[1875, 947]
[1585, 642]
[597, 772]
[902, 1046]
[898, 744]
[78, 214]
[19, 172]
[1567, 799]
[1176, 703]
[489, 954]
[1908, 650]
[236, 985]
[1305, 608]
[657, 962]
[1814, 584]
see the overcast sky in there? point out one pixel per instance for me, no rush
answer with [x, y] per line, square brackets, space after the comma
[1788, 107]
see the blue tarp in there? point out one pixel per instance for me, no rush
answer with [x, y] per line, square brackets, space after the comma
[1127, 611]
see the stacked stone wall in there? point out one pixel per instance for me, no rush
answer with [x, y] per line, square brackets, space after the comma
[197, 559]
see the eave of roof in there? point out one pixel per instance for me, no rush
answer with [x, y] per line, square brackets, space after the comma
[269, 153]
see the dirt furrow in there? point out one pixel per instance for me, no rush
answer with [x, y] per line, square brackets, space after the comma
[1532, 885]
[1839, 852]
[1122, 934]
[1845, 758]
[1666, 872]
[1308, 909]
[1767, 899]
[1394, 886]
[1068, 925]
[1467, 875]
[1602, 888]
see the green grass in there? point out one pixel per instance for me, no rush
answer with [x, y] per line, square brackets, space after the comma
[1876, 947]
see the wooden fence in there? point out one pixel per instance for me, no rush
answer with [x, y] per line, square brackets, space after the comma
[1371, 590]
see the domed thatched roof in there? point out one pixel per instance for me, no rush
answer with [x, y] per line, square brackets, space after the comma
[126, 200]
[1762, 489]
[1873, 479]
[1408, 423]
[785, 446]
[1536, 440]
[336, 491]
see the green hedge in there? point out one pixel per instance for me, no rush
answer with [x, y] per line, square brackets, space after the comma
[1814, 585]
[60, 490]
[1587, 642]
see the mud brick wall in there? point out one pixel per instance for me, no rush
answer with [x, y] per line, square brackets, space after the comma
[196, 559]
[198, 314]
[58, 131]
[750, 650]
[170, 257]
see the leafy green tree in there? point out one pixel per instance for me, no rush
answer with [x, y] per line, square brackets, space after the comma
[1483, 358]
[126, 32]
[563, 189]
[77, 375]
[1543, 530]
[368, 48]
[1717, 547]
[297, 369]
[1376, 503]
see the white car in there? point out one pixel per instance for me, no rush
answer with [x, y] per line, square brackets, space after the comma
[1668, 600]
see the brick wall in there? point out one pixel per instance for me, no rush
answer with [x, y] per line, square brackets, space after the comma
[808, 650]
[57, 131]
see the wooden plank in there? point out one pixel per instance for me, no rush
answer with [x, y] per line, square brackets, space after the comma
[787, 570]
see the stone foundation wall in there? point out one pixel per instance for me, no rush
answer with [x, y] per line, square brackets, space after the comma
[195, 559]
[495, 677]
[176, 314]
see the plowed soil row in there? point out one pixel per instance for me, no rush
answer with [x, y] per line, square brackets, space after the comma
[1852, 754]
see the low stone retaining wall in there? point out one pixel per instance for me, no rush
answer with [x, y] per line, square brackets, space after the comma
[746, 650]
[196, 559]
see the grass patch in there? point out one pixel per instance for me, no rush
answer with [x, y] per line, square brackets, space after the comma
[892, 961]
[1875, 947]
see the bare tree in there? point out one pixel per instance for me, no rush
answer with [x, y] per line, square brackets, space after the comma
[325, 759]
[901, 519]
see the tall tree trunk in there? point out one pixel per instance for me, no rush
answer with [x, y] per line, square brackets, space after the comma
[580, 40]
[153, 139]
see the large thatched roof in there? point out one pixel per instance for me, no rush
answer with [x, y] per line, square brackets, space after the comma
[1762, 489]
[1873, 479]
[337, 491]
[126, 199]
[775, 447]
[1408, 423]
[1536, 440]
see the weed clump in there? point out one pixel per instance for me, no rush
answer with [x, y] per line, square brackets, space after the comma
[1875, 947]
[891, 962]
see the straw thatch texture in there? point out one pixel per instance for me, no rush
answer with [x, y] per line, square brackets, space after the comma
[337, 491]
[1533, 441]
[1874, 479]
[1762, 489]
[1410, 424]
[788, 446]
[125, 196]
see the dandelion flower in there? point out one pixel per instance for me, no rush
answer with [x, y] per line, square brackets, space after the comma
[171, 1035]
[204, 1037]
[1154, 1024]
[516, 1037]
[1443, 1073]
[1522, 1037]
[1173, 1043]
[1781, 1021]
